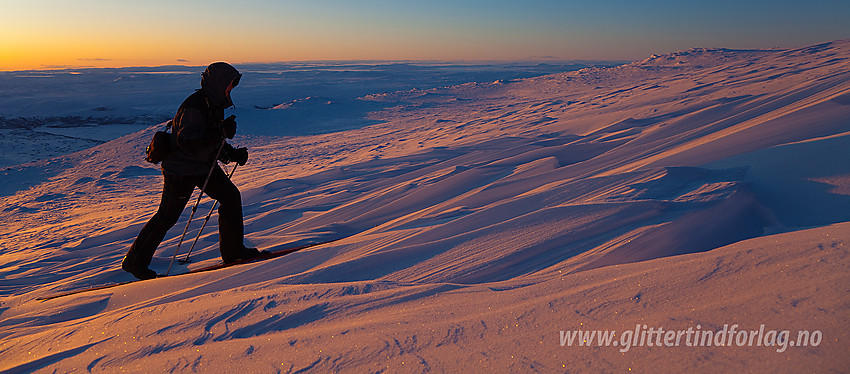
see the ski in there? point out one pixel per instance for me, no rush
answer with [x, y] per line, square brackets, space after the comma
[264, 255]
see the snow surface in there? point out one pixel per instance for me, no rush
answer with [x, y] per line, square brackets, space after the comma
[476, 222]
[45, 114]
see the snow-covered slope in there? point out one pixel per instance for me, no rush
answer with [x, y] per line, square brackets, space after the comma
[44, 114]
[477, 222]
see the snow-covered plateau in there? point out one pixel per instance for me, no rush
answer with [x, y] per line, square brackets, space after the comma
[693, 208]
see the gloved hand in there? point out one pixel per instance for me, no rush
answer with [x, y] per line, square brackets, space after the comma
[240, 155]
[228, 153]
[228, 127]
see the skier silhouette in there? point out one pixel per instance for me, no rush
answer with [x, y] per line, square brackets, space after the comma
[199, 133]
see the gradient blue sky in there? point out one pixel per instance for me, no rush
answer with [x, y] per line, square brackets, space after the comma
[49, 33]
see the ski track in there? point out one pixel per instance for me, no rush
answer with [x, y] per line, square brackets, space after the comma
[701, 187]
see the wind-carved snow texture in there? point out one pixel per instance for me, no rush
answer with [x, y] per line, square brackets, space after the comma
[476, 221]
[44, 114]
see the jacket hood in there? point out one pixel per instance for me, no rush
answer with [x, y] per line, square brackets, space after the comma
[214, 82]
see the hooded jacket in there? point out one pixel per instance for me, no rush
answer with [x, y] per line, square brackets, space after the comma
[196, 133]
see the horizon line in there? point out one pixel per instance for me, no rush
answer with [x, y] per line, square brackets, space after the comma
[331, 61]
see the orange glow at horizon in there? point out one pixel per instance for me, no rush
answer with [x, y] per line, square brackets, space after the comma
[53, 53]
[39, 34]
[106, 34]
[37, 52]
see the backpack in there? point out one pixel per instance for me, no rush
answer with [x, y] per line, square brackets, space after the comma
[160, 146]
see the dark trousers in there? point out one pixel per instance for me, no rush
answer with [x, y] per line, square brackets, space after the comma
[176, 192]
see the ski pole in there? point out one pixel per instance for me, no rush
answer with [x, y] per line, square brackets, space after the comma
[187, 260]
[195, 208]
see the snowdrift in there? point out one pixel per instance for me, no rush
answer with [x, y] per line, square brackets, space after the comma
[476, 222]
